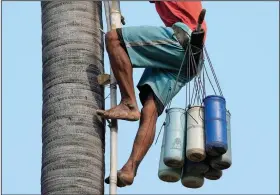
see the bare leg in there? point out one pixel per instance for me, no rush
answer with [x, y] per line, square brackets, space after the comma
[142, 143]
[122, 69]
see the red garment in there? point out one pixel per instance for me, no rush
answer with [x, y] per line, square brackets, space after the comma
[180, 11]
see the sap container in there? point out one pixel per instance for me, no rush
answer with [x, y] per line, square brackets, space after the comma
[213, 174]
[165, 173]
[195, 137]
[215, 125]
[174, 150]
[224, 161]
[192, 176]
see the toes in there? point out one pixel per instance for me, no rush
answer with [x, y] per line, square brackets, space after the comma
[116, 114]
[107, 180]
[100, 112]
[120, 182]
[119, 113]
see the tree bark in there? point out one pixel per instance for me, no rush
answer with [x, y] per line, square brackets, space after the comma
[73, 135]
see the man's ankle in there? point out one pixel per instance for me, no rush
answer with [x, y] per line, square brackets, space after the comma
[129, 103]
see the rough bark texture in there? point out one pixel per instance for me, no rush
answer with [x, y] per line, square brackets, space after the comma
[73, 135]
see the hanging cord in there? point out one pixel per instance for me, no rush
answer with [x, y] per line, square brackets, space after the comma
[182, 63]
[197, 80]
[210, 80]
[169, 95]
[200, 91]
[191, 62]
[199, 86]
[107, 96]
[213, 72]
[163, 124]
[195, 66]
[188, 84]
[197, 96]
[170, 99]
[193, 92]
[192, 65]
[203, 79]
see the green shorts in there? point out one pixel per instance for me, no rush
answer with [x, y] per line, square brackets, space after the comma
[158, 51]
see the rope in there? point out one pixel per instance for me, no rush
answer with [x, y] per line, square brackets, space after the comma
[199, 86]
[210, 81]
[189, 51]
[195, 67]
[159, 132]
[203, 78]
[167, 98]
[213, 72]
[188, 84]
[193, 91]
[107, 96]
[192, 63]
[178, 77]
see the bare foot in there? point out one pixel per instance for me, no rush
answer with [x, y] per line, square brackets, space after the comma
[123, 111]
[125, 176]
[120, 181]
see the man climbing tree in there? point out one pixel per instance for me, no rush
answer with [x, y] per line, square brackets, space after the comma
[161, 52]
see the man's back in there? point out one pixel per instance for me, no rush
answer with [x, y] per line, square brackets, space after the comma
[179, 11]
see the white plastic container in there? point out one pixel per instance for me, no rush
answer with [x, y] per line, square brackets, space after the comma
[195, 136]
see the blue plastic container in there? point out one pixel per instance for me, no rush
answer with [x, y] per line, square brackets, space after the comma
[174, 150]
[165, 173]
[215, 125]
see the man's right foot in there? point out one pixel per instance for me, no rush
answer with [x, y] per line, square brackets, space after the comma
[123, 111]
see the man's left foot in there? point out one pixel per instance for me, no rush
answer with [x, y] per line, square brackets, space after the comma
[123, 179]
[125, 176]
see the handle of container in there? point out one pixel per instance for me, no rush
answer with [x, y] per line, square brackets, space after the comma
[167, 120]
[200, 114]
[192, 116]
[184, 119]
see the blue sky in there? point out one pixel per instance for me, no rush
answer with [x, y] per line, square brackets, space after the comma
[242, 41]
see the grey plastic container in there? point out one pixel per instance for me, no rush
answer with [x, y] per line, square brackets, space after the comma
[174, 150]
[192, 176]
[224, 161]
[213, 174]
[165, 173]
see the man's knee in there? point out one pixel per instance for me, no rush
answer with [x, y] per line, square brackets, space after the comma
[111, 40]
[150, 105]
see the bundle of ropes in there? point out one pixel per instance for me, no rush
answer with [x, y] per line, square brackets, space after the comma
[196, 142]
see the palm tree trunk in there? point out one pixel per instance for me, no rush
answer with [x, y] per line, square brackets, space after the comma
[73, 136]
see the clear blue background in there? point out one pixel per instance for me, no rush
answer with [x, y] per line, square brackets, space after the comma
[243, 40]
